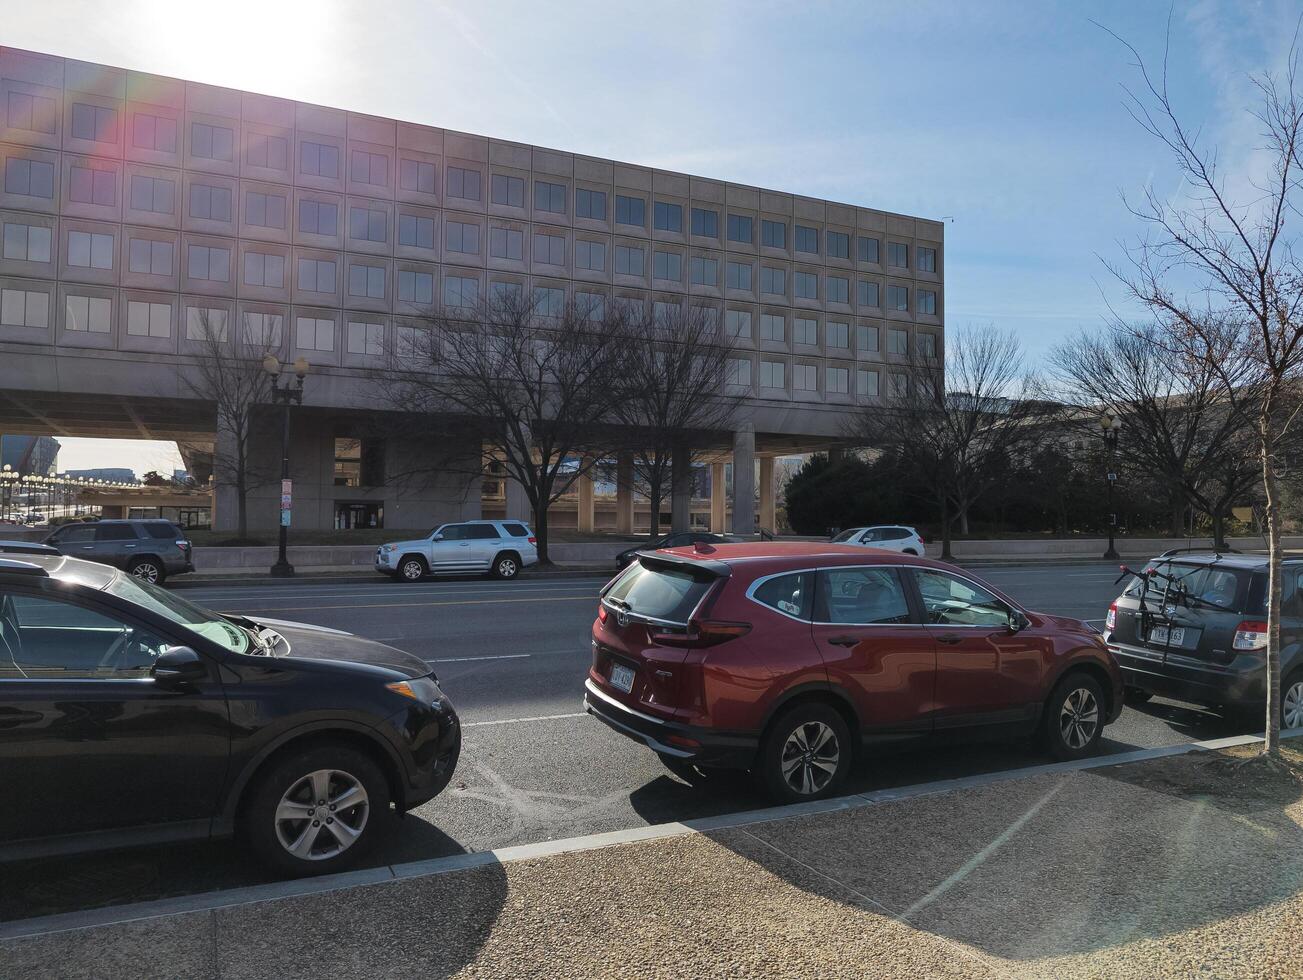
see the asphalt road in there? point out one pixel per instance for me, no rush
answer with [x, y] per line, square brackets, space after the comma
[513, 657]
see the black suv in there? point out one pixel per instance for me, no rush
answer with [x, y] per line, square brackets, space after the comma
[130, 716]
[1193, 626]
[676, 539]
[148, 549]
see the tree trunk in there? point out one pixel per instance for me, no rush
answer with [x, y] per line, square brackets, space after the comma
[1271, 746]
[1219, 528]
[1177, 525]
[242, 505]
[540, 529]
[654, 499]
[963, 521]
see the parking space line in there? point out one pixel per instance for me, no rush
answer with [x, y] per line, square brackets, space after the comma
[461, 660]
[513, 721]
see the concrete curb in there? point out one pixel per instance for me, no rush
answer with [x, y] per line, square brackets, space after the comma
[228, 898]
[200, 580]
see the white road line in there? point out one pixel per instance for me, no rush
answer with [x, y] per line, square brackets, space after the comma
[513, 721]
[460, 660]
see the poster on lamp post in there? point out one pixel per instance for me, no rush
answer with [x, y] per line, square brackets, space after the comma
[287, 493]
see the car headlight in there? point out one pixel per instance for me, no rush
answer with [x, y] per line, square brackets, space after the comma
[423, 689]
[389, 547]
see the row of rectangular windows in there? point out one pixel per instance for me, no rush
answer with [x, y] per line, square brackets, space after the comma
[31, 243]
[805, 377]
[27, 308]
[88, 185]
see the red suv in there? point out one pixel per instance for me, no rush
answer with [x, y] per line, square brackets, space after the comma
[785, 658]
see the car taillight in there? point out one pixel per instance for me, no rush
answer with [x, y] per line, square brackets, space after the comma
[922, 540]
[183, 545]
[532, 539]
[1250, 635]
[602, 614]
[1111, 620]
[702, 633]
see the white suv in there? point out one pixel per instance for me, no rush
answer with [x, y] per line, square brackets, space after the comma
[499, 548]
[888, 537]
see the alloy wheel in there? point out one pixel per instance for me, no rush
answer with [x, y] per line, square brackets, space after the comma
[1078, 718]
[810, 757]
[507, 568]
[412, 570]
[1291, 706]
[322, 815]
[147, 571]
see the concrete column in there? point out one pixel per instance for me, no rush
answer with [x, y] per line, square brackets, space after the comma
[584, 518]
[226, 503]
[518, 508]
[767, 516]
[718, 503]
[680, 488]
[624, 493]
[744, 479]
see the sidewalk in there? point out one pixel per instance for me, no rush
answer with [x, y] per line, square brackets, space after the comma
[1175, 866]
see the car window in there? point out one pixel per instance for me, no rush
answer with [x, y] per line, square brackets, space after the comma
[896, 534]
[677, 541]
[517, 530]
[661, 593]
[846, 535]
[952, 601]
[479, 532]
[872, 534]
[862, 596]
[454, 532]
[115, 532]
[83, 534]
[171, 606]
[56, 639]
[791, 594]
[163, 531]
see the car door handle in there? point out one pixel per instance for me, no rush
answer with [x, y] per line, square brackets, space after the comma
[843, 641]
[128, 546]
[950, 638]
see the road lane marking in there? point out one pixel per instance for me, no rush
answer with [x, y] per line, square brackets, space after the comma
[462, 660]
[513, 721]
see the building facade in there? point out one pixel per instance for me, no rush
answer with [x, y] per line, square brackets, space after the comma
[136, 209]
[29, 455]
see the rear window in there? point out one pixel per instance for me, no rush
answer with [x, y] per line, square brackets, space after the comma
[517, 530]
[660, 592]
[162, 531]
[478, 531]
[1207, 585]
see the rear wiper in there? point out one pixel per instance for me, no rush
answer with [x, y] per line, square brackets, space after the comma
[1209, 603]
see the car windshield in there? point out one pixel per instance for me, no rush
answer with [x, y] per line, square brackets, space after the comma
[846, 535]
[207, 624]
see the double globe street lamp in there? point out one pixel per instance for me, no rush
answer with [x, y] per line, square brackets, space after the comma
[1111, 425]
[285, 395]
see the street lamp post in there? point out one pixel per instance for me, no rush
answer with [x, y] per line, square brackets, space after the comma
[290, 393]
[1111, 425]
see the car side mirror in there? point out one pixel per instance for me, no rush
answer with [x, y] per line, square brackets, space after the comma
[178, 665]
[438, 536]
[1017, 621]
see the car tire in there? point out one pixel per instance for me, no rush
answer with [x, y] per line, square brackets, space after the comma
[796, 753]
[1291, 701]
[412, 568]
[1136, 695]
[1074, 717]
[148, 570]
[506, 565]
[283, 825]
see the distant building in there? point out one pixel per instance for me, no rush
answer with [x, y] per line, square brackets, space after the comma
[30, 455]
[113, 474]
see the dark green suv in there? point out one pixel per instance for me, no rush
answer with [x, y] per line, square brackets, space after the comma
[1193, 626]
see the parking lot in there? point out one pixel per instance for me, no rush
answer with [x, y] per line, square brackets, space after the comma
[533, 767]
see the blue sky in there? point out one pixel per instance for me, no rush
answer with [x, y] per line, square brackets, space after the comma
[1005, 116]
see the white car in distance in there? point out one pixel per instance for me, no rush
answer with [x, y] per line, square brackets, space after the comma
[888, 537]
[498, 548]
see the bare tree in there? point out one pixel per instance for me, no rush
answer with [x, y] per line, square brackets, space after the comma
[230, 375]
[956, 418]
[675, 369]
[1179, 424]
[534, 389]
[1221, 272]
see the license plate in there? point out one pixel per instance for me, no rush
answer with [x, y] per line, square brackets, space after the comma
[1159, 635]
[622, 677]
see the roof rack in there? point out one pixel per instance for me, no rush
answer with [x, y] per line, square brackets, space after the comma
[1208, 551]
[20, 567]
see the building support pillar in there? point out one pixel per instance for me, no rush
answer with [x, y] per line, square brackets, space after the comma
[518, 508]
[624, 493]
[680, 488]
[718, 503]
[768, 516]
[584, 518]
[744, 479]
[226, 501]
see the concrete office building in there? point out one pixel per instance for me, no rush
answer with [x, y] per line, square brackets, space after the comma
[136, 207]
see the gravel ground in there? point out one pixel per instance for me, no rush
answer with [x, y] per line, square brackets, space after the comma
[1178, 867]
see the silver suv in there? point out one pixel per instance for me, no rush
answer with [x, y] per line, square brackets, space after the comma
[499, 548]
[149, 549]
